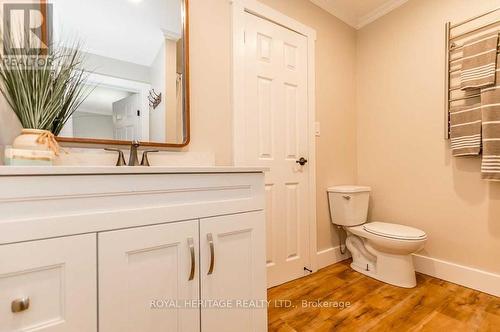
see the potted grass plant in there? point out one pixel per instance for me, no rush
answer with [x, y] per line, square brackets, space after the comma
[43, 90]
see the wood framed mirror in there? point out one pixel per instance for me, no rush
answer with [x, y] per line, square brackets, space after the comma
[137, 56]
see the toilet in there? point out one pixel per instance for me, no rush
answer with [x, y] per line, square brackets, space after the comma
[379, 250]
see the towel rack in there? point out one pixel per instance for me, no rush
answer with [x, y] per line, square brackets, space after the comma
[454, 45]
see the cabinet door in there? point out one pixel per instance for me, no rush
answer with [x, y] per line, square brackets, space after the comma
[147, 276]
[56, 278]
[238, 273]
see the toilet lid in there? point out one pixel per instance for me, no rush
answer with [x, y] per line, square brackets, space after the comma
[394, 231]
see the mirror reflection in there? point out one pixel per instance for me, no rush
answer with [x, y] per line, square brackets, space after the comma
[134, 51]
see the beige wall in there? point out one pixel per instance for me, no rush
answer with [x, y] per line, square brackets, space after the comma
[401, 150]
[210, 59]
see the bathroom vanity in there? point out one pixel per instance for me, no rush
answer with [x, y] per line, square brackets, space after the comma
[132, 249]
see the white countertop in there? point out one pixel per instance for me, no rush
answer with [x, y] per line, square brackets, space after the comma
[103, 170]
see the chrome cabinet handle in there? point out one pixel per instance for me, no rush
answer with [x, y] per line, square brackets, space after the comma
[212, 253]
[20, 305]
[193, 261]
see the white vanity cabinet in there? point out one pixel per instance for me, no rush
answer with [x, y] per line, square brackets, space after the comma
[156, 249]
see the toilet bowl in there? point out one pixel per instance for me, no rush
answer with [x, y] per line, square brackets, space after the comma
[379, 250]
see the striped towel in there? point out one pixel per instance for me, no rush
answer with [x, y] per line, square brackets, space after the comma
[490, 100]
[465, 127]
[479, 62]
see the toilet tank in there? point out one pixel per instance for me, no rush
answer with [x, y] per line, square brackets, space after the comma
[348, 204]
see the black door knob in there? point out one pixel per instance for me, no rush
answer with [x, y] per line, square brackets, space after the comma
[302, 161]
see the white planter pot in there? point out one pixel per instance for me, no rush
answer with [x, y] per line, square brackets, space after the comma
[33, 147]
[29, 140]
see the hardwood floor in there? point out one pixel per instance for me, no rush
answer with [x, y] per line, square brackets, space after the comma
[434, 305]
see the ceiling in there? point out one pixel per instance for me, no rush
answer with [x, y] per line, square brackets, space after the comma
[358, 13]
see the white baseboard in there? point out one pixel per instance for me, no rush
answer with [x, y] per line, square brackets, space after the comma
[480, 280]
[330, 256]
[483, 281]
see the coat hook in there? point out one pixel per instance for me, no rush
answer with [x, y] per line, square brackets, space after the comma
[154, 99]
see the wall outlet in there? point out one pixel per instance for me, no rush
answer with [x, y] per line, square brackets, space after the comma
[317, 129]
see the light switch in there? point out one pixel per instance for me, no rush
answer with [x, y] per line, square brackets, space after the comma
[318, 129]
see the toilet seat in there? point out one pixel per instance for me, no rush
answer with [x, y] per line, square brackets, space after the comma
[394, 231]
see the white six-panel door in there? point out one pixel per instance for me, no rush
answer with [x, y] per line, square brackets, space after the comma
[275, 135]
[141, 265]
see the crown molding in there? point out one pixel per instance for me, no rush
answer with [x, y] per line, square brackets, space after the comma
[364, 20]
[379, 12]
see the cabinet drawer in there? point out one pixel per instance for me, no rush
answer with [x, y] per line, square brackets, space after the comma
[49, 285]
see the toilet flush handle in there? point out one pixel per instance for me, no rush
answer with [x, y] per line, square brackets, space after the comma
[346, 197]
